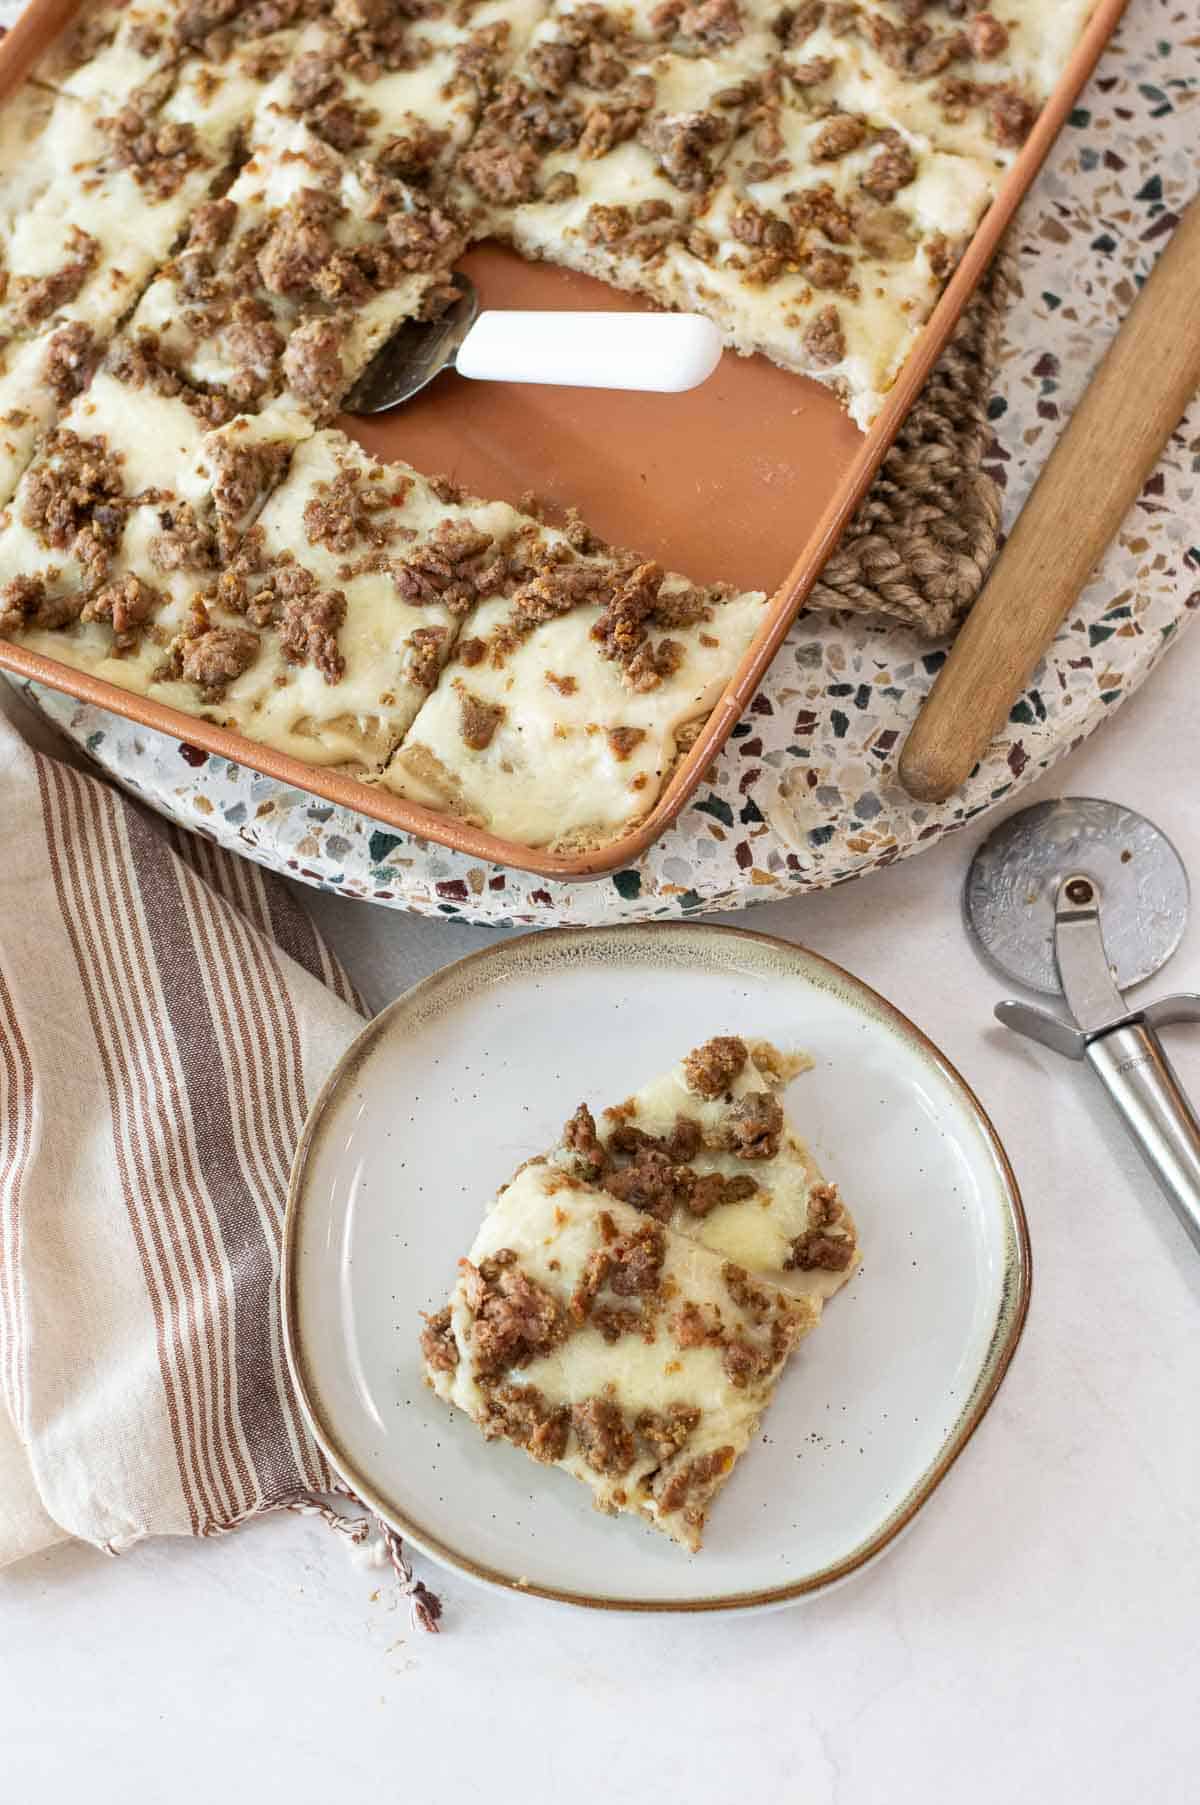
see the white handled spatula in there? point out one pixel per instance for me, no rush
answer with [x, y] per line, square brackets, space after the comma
[665, 352]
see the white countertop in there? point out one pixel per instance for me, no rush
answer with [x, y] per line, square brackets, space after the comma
[1033, 1637]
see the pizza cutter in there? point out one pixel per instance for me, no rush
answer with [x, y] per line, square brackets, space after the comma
[667, 352]
[1085, 899]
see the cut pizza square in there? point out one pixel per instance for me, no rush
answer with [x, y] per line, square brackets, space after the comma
[334, 584]
[116, 531]
[107, 197]
[114, 47]
[613, 122]
[39, 377]
[826, 243]
[567, 701]
[967, 79]
[290, 282]
[706, 1150]
[400, 84]
[603, 1344]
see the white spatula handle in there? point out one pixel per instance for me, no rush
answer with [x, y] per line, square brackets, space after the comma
[663, 351]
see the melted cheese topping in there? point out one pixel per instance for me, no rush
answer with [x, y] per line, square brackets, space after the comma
[127, 45]
[520, 18]
[553, 1228]
[27, 407]
[552, 773]
[26, 166]
[1041, 37]
[287, 160]
[426, 93]
[758, 1231]
[75, 184]
[360, 718]
[888, 298]
[221, 99]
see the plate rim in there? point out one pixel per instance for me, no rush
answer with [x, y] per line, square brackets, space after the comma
[1015, 1286]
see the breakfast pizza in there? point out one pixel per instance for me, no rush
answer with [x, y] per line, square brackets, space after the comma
[600, 1342]
[103, 564]
[630, 1300]
[339, 587]
[968, 78]
[358, 614]
[567, 700]
[826, 242]
[289, 282]
[211, 217]
[596, 150]
[707, 1150]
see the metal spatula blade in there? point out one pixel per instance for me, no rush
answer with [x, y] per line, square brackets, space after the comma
[414, 355]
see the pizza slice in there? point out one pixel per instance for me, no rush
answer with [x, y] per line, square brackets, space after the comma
[39, 377]
[116, 531]
[289, 283]
[603, 1344]
[332, 583]
[105, 199]
[827, 242]
[399, 84]
[969, 79]
[615, 120]
[706, 1150]
[568, 700]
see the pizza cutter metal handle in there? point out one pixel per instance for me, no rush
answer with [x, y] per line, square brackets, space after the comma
[1121, 1046]
[1138, 1076]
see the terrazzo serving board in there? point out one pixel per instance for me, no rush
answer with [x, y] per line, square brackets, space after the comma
[805, 793]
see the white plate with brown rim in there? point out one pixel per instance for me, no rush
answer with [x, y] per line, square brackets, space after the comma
[458, 1081]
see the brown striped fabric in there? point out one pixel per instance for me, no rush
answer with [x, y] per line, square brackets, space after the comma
[166, 1013]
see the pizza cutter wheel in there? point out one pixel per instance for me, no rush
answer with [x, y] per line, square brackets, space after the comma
[1084, 898]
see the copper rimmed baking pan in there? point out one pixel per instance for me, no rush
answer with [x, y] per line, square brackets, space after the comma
[750, 479]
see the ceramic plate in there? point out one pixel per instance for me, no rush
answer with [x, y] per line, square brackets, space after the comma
[458, 1081]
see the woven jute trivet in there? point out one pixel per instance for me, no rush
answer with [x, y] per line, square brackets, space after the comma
[920, 545]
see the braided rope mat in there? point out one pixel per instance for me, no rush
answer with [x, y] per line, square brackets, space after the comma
[804, 794]
[920, 545]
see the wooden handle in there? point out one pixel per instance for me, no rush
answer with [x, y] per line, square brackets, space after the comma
[1091, 480]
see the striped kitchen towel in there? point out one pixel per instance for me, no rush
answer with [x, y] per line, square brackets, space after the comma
[166, 1013]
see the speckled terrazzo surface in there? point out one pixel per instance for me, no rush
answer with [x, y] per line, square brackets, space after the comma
[804, 794]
